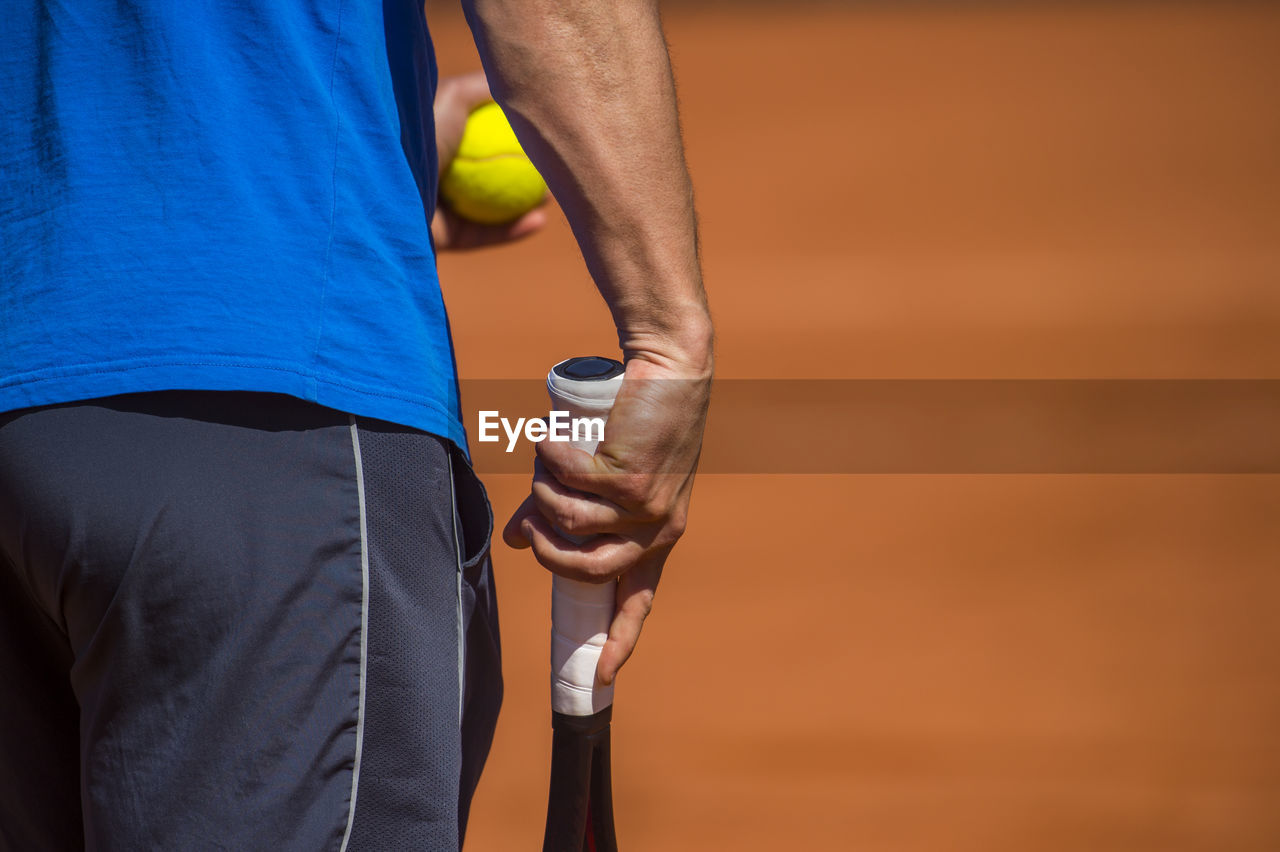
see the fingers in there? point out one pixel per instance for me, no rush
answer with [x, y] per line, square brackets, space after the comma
[453, 233]
[456, 97]
[513, 534]
[573, 513]
[636, 589]
[593, 561]
[529, 223]
[470, 90]
[570, 512]
[579, 471]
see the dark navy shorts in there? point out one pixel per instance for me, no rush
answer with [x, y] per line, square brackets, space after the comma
[239, 621]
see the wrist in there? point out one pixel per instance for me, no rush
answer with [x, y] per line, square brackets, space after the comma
[680, 338]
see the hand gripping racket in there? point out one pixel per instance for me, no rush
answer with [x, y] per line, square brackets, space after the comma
[580, 804]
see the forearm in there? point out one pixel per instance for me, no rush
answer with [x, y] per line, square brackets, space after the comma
[587, 85]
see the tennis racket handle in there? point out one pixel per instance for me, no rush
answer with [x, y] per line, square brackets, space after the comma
[581, 612]
[580, 617]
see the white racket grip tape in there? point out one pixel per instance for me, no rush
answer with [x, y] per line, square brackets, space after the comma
[581, 612]
[580, 618]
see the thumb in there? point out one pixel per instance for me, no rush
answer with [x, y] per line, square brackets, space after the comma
[513, 534]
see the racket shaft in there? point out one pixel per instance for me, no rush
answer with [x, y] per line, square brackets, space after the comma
[580, 807]
[600, 801]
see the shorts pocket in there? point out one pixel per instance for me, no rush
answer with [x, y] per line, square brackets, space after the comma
[482, 653]
[473, 514]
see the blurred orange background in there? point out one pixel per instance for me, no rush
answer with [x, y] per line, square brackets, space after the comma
[938, 662]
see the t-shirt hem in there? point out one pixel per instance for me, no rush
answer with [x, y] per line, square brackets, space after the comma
[363, 400]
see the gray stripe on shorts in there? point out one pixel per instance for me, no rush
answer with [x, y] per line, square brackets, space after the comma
[457, 549]
[364, 629]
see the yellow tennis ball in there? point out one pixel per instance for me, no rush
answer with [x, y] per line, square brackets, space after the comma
[490, 180]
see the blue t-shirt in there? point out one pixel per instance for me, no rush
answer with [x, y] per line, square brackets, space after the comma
[222, 196]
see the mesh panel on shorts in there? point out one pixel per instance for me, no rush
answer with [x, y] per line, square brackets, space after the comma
[408, 788]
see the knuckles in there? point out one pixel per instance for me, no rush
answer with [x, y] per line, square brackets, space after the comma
[656, 515]
[635, 492]
[677, 523]
[601, 568]
[569, 518]
[662, 509]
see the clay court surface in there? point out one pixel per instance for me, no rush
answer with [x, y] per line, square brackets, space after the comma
[939, 662]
